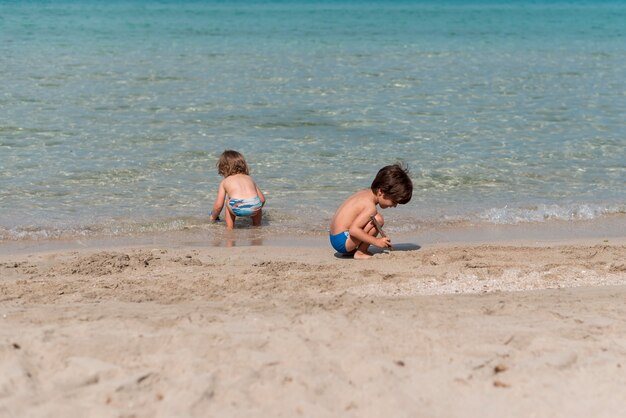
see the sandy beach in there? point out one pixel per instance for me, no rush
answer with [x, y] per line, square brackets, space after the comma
[504, 296]
[446, 330]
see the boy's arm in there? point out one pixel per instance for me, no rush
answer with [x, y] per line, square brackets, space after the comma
[219, 202]
[358, 233]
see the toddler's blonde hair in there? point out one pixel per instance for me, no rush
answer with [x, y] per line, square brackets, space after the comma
[231, 163]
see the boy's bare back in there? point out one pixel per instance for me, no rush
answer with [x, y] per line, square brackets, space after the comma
[355, 211]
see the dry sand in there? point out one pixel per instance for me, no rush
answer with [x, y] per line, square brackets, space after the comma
[472, 330]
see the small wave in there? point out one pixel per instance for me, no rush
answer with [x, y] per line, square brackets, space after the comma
[276, 222]
[542, 213]
[108, 229]
[29, 233]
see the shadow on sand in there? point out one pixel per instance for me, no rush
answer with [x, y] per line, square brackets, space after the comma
[396, 247]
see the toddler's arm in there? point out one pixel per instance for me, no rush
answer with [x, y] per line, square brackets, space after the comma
[219, 202]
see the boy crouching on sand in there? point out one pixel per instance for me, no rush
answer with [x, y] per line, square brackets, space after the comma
[351, 230]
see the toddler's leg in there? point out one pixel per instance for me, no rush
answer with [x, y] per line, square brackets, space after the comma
[229, 217]
[256, 218]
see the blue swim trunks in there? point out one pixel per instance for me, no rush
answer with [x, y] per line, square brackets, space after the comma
[338, 241]
[245, 207]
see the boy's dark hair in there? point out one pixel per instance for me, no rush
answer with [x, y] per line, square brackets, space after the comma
[394, 182]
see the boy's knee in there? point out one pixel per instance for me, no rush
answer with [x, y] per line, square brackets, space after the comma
[380, 219]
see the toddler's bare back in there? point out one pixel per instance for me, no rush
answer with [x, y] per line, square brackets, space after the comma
[240, 186]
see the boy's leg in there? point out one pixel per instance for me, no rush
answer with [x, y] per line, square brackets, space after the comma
[362, 247]
[371, 229]
[256, 218]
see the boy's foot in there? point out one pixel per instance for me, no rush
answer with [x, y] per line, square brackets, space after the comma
[360, 255]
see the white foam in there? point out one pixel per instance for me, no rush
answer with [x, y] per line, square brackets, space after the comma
[543, 212]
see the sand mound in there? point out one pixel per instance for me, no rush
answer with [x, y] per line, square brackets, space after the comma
[106, 263]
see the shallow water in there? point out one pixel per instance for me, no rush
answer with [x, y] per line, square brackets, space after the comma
[112, 115]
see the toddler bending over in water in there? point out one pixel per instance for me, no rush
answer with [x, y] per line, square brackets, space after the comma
[244, 196]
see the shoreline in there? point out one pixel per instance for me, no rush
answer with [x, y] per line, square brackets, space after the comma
[610, 229]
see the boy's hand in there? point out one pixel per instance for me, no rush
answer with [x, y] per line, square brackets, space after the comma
[383, 242]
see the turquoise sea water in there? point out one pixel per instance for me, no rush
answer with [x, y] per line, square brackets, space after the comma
[112, 114]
